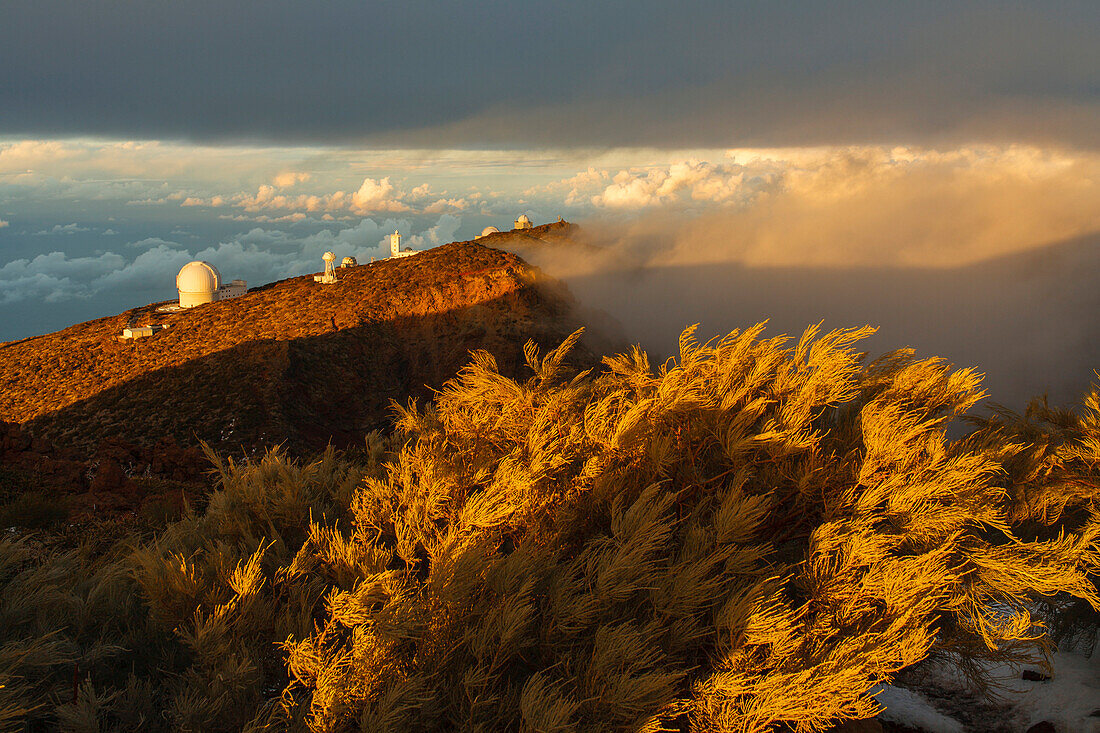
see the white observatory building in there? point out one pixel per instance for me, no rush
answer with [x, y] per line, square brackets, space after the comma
[200, 282]
[487, 231]
[523, 222]
[329, 275]
[395, 246]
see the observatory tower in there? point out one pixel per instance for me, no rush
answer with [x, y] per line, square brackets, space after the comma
[395, 246]
[330, 272]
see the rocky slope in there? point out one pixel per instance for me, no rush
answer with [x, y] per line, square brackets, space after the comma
[294, 362]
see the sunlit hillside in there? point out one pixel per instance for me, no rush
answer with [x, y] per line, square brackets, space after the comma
[290, 362]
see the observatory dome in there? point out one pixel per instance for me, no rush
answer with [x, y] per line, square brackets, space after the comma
[198, 277]
[487, 231]
[197, 283]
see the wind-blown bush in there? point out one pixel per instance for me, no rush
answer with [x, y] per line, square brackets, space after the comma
[748, 537]
[1051, 458]
[179, 633]
[755, 534]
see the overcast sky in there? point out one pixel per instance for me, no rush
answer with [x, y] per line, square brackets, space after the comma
[567, 73]
[762, 143]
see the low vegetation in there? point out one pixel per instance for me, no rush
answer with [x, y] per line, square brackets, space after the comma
[291, 362]
[747, 538]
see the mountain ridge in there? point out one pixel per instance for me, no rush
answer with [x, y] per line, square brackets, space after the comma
[293, 362]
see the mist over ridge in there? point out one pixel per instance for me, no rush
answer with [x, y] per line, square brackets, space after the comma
[986, 262]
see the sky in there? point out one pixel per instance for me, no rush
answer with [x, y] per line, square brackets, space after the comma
[861, 142]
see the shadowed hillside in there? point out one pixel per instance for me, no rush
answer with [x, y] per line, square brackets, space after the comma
[293, 362]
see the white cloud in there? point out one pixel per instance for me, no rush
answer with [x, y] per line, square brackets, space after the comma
[377, 196]
[54, 276]
[373, 196]
[867, 206]
[290, 178]
[73, 228]
[443, 205]
[259, 255]
[149, 242]
[688, 182]
[575, 190]
[443, 232]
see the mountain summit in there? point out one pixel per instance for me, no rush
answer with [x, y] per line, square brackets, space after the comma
[295, 362]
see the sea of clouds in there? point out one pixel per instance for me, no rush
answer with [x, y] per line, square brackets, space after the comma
[983, 254]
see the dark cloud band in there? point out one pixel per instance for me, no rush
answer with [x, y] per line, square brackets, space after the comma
[566, 73]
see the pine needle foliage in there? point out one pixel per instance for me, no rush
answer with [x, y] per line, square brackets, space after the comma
[178, 633]
[751, 535]
[748, 537]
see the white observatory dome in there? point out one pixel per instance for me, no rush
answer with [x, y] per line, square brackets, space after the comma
[488, 230]
[197, 282]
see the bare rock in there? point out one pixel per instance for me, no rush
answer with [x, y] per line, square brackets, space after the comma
[868, 725]
[109, 477]
[1044, 726]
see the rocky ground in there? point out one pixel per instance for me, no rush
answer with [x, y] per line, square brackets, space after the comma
[97, 424]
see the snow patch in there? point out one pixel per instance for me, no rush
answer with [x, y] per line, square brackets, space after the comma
[913, 710]
[1068, 699]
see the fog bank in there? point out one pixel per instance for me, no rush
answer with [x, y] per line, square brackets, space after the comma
[991, 263]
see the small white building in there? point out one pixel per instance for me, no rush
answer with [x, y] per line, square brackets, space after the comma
[139, 332]
[487, 231]
[523, 222]
[200, 282]
[348, 262]
[395, 246]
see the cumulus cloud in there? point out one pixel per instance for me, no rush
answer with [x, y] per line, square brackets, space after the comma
[54, 276]
[150, 242]
[859, 206]
[377, 196]
[687, 182]
[441, 205]
[441, 233]
[259, 255]
[984, 255]
[73, 228]
[290, 178]
[373, 196]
